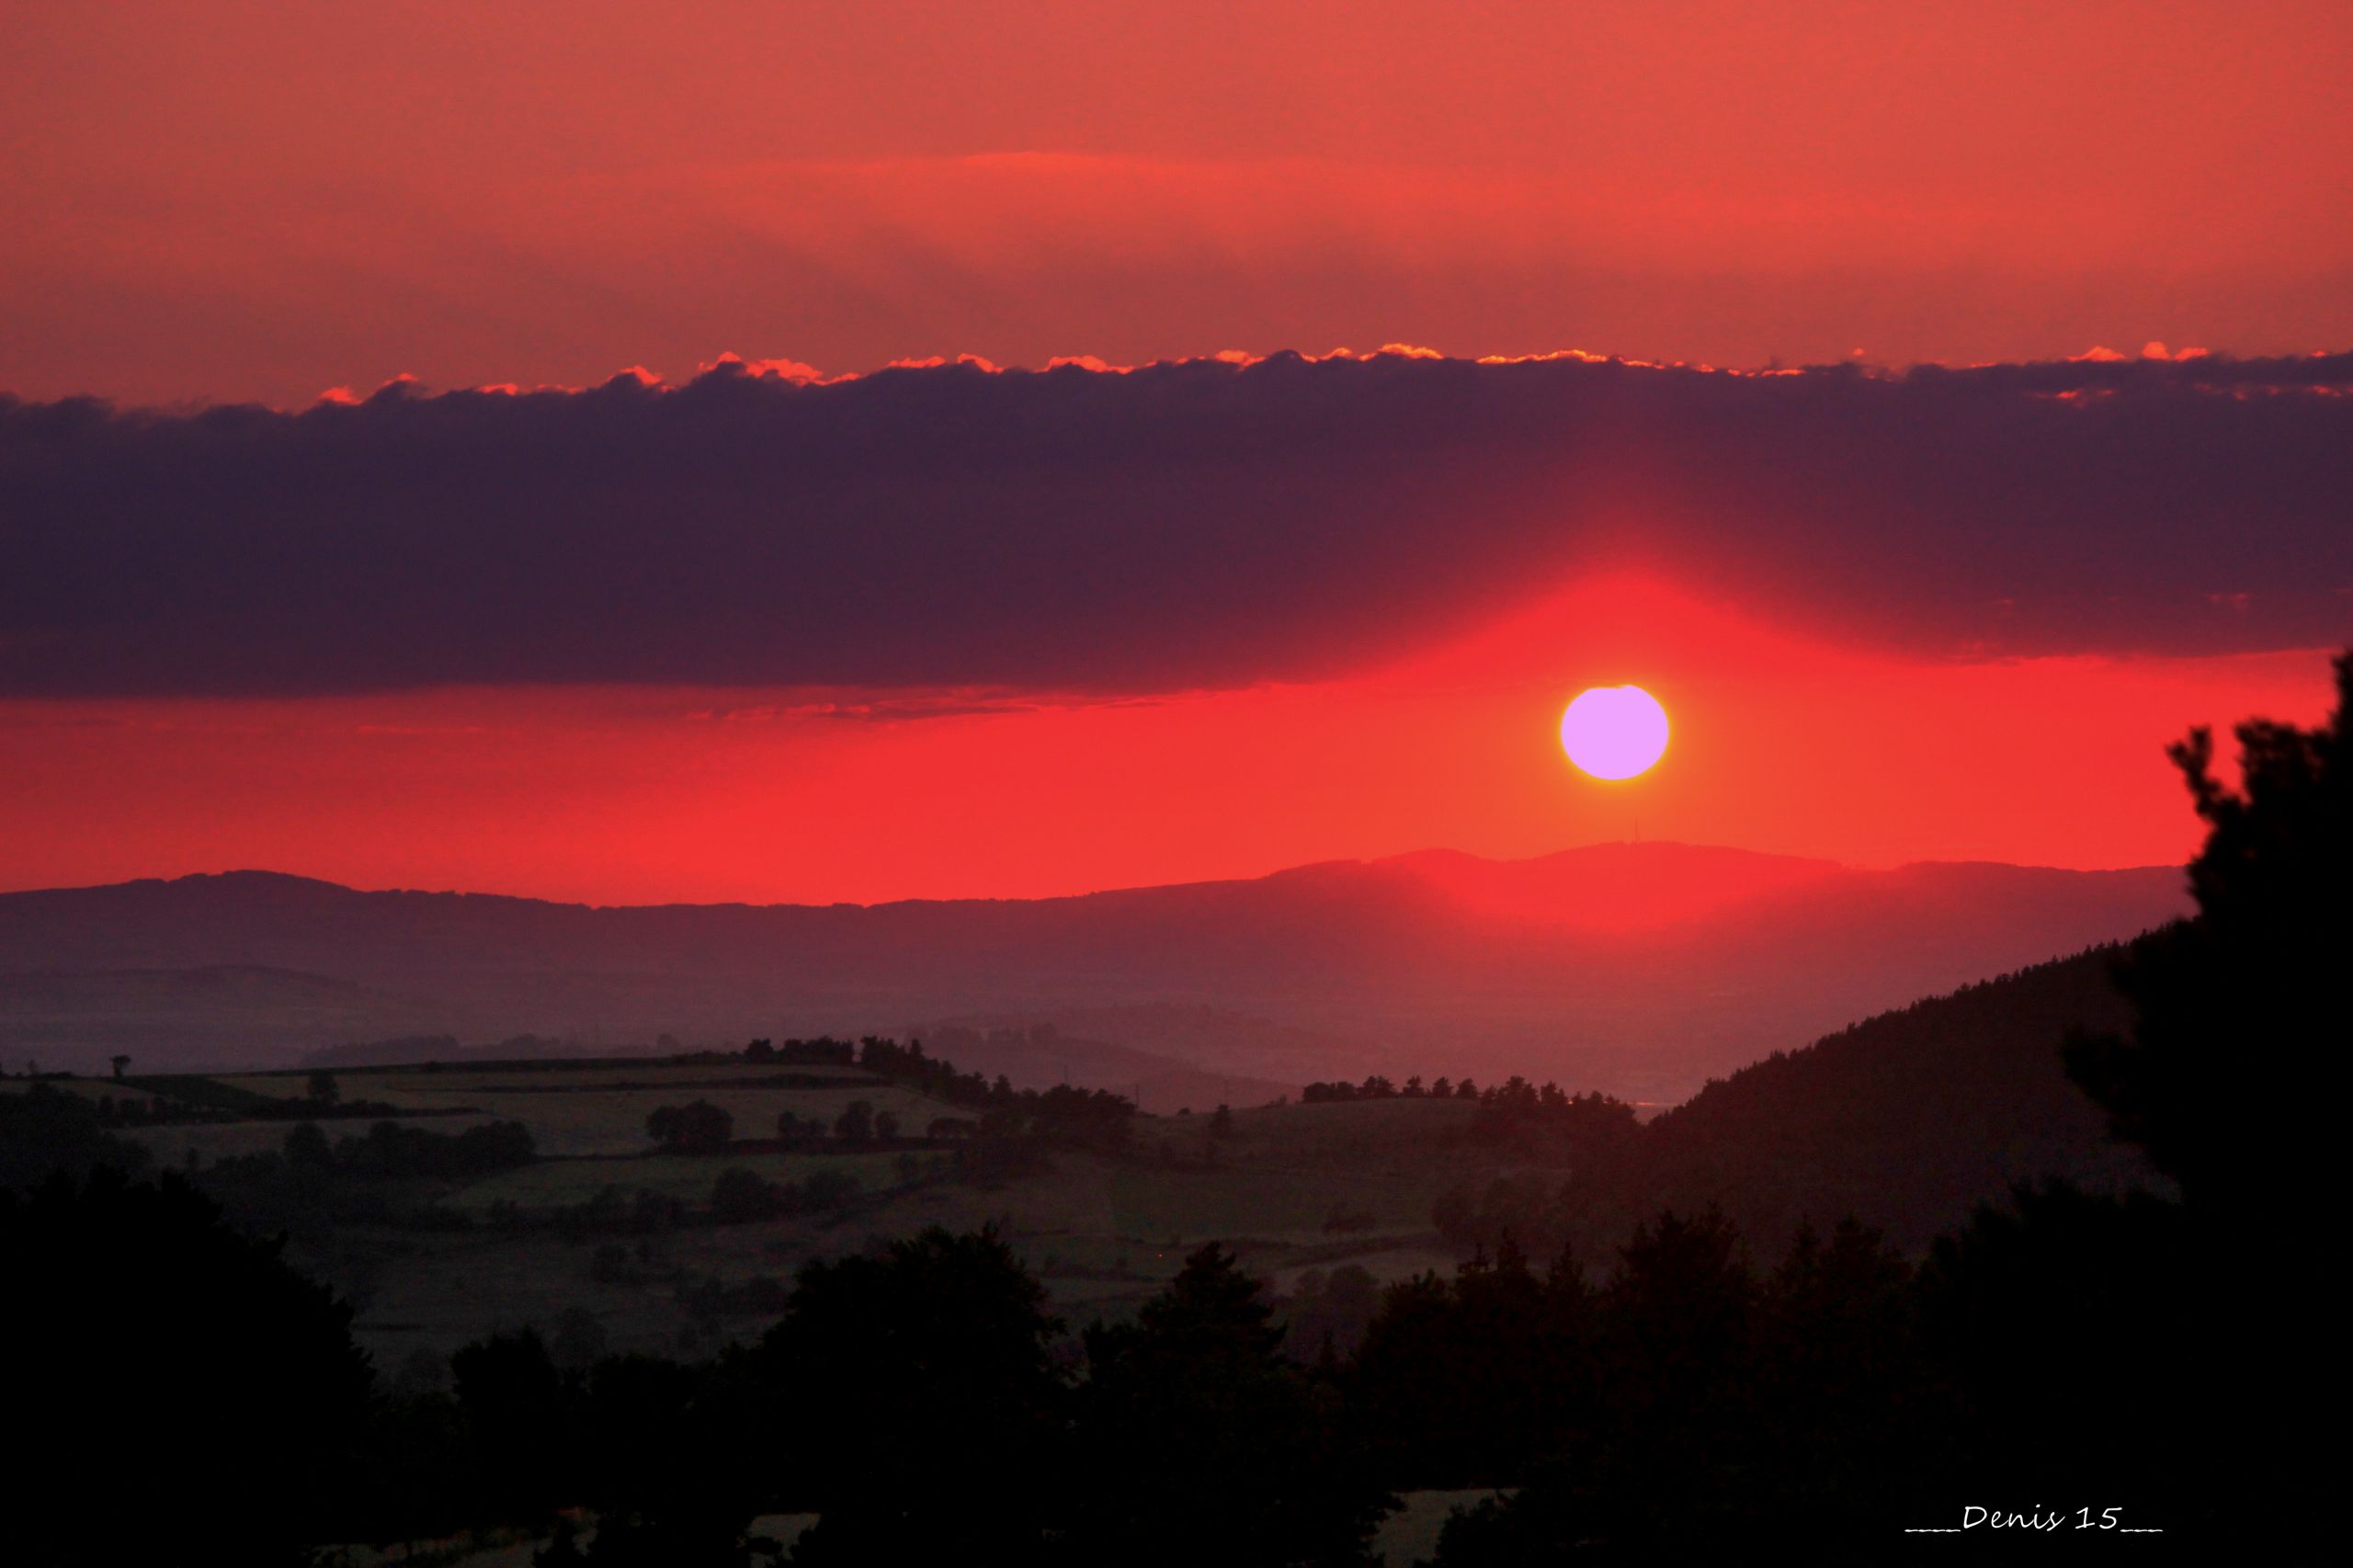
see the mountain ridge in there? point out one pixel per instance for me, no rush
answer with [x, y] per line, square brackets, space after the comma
[1453, 962]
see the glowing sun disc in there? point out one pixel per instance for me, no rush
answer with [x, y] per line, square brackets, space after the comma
[1614, 732]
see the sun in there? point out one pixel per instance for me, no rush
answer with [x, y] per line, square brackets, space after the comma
[1614, 732]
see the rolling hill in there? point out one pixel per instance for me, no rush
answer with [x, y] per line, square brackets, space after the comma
[1905, 1120]
[1641, 968]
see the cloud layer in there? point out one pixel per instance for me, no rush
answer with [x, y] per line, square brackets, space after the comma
[1181, 525]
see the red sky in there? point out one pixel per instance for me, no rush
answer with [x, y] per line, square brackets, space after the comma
[221, 202]
[635, 794]
[233, 200]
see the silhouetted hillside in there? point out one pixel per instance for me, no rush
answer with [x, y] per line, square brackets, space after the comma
[1905, 1120]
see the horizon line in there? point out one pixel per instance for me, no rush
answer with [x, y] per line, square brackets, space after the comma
[1826, 862]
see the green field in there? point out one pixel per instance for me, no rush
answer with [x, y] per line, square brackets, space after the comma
[1291, 1187]
[557, 1183]
[603, 1111]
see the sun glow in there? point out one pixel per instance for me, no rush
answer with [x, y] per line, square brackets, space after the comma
[1614, 732]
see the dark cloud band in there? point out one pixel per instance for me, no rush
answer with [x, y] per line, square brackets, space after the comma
[1177, 525]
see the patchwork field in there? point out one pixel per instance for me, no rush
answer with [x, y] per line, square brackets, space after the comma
[1291, 1187]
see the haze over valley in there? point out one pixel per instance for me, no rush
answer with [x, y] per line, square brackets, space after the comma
[1637, 968]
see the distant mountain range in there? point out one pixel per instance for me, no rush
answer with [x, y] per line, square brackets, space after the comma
[1643, 968]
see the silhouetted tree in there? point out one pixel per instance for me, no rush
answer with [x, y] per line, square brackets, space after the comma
[1680, 1314]
[306, 1149]
[856, 1123]
[700, 1128]
[1849, 1420]
[156, 1305]
[1203, 1443]
[2074, 1329]
[664, 1465]
[2249, 991]
[740, 1194]
[320, 1089]
[1329, 1310]
[1465, 1382]
[2258, 974]
[518, 1421]
[941, 1338]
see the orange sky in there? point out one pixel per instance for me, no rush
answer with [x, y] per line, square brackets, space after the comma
[233, 200]
[226, 201]
[617, 795]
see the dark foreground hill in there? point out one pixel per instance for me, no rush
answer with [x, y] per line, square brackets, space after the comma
[1641, 969]
[1906, 1121]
